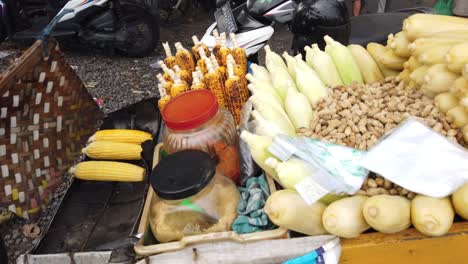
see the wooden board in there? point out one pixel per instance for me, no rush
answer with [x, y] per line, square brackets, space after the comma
[409, 247]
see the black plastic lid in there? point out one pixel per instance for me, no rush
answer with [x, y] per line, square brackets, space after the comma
[182, 174]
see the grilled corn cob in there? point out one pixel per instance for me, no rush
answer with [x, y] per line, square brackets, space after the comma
[165, 84]
[170, 59]
[166, 75]
[214, 82]
[183, 74]
[164, 98]
[239, 54]
[237, 72]
[223, 51]
[106, 150]
[121, 135]
[217, 45]
[197, 84]
[233, 93]
[218, 68]
[108, 171]
[198, 44]
[201, 62]
[178, 87]
[184, 58]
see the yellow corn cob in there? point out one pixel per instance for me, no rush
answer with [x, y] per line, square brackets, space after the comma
[197, 84]
[390, 60]
[166, 84]
[435, 55]
[390, 38]
[184, 58]
[239, 54]
[223, 51]
[108, 171]
[217, 45]
[457, 57]
[201, 62]
[400, 45]
[377, 50]
[418, 74]
[179, 86]
[412, 63]
[195, 48]
[214, 82]
[166, 75]
[106, 150]
[238, 72]
[419, 25]
[183, 74]
[121, 135]
[423, 44]
[233, 94]
[170, 59]
[218, 68]
[459, 87]
[164, 98]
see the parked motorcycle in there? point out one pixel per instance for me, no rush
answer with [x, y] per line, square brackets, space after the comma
[253, 24]
[129, 26]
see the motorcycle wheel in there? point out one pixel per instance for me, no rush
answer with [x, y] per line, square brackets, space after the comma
[142, 31]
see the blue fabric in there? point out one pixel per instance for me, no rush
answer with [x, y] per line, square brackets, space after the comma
[251, 216]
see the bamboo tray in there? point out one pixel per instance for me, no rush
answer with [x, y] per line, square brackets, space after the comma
[408, 247]
[146, 250]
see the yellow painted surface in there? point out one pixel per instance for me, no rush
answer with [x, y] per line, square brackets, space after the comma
[408, 246]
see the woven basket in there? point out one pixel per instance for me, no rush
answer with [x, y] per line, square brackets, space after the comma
[46, 116]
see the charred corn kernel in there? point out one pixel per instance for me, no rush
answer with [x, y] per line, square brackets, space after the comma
[164, 98]
[237, 71]
[121, 135]
[184, 58]
[214, 82]
[107, 150]
[201, 62]
[223, 51]
[183, 74]
[170, 59]
[178, 87]
[166, 84]
[239, 54]
[197, 45]
[108, 171]
[197, 84]
[217, 45]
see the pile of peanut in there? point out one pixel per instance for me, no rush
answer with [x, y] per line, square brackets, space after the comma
[378, 185]
[359, 115]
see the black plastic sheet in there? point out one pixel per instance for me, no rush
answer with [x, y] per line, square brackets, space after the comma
[314, 19]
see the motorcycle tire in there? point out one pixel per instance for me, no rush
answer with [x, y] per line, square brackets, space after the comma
[143, 31]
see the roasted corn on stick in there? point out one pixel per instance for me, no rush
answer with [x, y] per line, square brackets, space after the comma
[214, 82]
[178, 87]
[183, 74]
[201, 62]
[197, 84]
[164, 98]
[223, 51]
[233, 93]
[165, 69]
[238, 72]
[198, 44]
[170, 59]
[217, 45]
[239, 54]
[184, 58]
[166, 84]
[218, 68]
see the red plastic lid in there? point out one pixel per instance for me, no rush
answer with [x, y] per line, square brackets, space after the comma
[190, 110]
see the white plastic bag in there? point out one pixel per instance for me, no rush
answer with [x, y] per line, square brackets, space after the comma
[419, 159]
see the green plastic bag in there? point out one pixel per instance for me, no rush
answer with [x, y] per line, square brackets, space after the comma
[444, 7]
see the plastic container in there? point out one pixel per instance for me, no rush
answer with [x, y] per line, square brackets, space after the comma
[195, 121]
[192, 199]
[149, 246]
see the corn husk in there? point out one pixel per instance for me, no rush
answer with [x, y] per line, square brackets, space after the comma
[344, 61]
[323, 65]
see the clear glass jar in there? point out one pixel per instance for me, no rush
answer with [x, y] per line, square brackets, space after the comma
[195, 121]
[192, 200]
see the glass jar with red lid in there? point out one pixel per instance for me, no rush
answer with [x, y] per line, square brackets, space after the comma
[194, 120]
